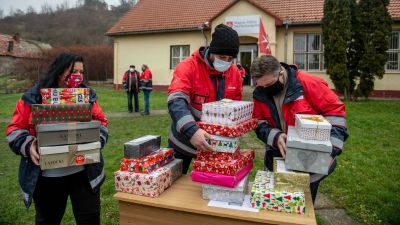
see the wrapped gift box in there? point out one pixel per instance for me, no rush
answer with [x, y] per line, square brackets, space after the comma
[67, 133]
[64, 95]
[313, 127]
[223, 144]
[61, 113]
[219, 179]
[287, 180]
[307, 155]
[230, 168]
[264, 196]
[176, 169]
[69, 155]
[229, 131]
[141, 146]
[217, 156]
[225, 194]
[148, 163]
[151, 185]
[227, 112]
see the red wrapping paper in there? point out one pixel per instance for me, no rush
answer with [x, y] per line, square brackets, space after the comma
[229, 131]
[217, 156]
[64, 95]
[149, 163]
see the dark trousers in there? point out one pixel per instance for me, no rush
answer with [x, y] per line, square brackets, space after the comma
[268, 163]
[146, 94]
[130, 95]
[51, 196]
[186, 160]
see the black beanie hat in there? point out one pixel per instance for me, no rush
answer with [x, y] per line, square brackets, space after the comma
[225, 41]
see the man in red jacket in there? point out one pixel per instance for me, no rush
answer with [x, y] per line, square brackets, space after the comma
[207, 75]
[281, 92]
[146, 84]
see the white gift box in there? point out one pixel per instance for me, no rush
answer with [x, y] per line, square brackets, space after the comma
[227, 112]
[313, 127]
[225, 194]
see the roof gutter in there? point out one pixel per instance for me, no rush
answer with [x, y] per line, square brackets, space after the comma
[153, 31]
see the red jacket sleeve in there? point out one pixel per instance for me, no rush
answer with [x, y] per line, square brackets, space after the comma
[181, 81]
[98, 114]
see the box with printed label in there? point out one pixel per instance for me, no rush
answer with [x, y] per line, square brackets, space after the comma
[65, 95]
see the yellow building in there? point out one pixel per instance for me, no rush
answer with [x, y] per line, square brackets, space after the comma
[163, 33]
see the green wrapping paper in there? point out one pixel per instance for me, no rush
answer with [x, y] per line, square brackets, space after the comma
[287, 180]
[42, 113]
[264, 196]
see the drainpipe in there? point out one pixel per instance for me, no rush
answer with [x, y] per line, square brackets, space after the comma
[286, 23]
[204, 26]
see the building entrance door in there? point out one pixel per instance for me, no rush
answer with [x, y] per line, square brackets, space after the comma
[246, 55]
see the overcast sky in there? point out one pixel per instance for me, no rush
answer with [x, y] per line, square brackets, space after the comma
[6, 5]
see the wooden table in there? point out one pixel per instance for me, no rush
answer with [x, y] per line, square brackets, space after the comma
[182, 204]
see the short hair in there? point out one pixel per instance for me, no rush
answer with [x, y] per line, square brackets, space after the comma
[265, 65]
[132, 66]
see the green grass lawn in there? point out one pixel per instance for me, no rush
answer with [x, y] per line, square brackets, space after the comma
[366, 182]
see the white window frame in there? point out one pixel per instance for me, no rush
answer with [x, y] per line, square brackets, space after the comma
[181, 57]
[307, 52]
[394, 51]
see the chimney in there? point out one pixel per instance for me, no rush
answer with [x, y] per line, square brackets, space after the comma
[10, 46]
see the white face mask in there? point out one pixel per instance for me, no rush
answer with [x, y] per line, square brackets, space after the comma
[131, 69]
[221, 65]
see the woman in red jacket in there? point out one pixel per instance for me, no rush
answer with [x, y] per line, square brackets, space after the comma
[51, 188]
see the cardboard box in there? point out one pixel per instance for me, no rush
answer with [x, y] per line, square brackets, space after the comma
[176, 169]
[142, 146]
[229, 131]
[225, 194]
[223, 144]
[151, 185]
[264, 196]
[67, 133]
[227, 112]
[307, 155]
[65, 95]
[313, 127]
[42, 113]
[288, 180]
[69, 155]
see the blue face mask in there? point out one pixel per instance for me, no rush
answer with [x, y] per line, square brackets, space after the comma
[221, 65]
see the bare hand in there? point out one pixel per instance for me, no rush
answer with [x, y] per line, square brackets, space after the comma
[34, 153]
[282, 144]
[198, 140]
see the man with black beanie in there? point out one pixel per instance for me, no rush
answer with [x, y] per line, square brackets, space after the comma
[206, 76]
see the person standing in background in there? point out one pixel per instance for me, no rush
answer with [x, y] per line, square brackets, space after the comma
[146, 84]
[130, 81]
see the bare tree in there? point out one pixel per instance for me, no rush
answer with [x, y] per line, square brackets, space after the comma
[46, 8]
[30, 10]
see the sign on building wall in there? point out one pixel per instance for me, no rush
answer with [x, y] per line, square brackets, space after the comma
[244, 24]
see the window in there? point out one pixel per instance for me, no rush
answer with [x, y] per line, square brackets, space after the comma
[178, 53]
[307, 51]
[393, 52]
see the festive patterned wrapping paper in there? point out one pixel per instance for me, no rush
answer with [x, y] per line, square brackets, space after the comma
[149, 163]
[223, 144]
[219, 179]
[176, 169]
[67, 133]
[227, 112]
[264, 196]
[151, 185]
[230, 168]
[69, 155]
[287, 180]
[64, 95]
[229, 131]
[225, 194]
[307, 155]
[313, 127]
[141, 146]
[218, 156]
[61, 113]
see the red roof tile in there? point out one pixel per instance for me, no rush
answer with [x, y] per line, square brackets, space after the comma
[171, 15]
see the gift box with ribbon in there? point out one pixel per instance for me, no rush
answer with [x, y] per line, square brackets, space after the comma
[313, 127]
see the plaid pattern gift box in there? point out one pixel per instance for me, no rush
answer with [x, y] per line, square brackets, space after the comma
[229, 131]
[61, 113]
[227, 112]
[149, 163]
[64, 95]
[229, 168]
[151, 185]
[313, 127]
[264, 196]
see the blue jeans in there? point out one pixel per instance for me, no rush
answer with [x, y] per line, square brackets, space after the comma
[146, 94]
